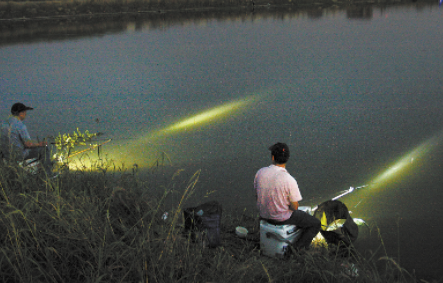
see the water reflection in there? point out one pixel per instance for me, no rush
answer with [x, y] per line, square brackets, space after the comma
[364, 13]
[315, 13]
[22, 31]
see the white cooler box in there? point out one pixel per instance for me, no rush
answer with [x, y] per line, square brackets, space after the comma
[275, 239]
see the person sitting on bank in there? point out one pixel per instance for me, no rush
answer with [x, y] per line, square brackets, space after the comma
[16, 141]
[278, 195]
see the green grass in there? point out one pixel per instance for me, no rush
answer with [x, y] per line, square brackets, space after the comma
[105, 225]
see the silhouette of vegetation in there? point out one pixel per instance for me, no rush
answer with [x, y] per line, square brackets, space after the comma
[105, 224]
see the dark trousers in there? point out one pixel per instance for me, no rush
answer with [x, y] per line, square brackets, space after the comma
[309, 224]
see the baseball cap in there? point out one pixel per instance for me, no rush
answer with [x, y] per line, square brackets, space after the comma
[19, 107]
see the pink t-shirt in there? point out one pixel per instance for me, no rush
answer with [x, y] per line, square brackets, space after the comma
[275, 189]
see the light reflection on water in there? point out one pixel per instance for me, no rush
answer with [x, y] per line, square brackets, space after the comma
[349, 97]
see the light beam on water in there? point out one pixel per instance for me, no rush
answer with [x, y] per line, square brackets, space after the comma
[205, 117]
[143, 150]
[400, 167]
[404, 164]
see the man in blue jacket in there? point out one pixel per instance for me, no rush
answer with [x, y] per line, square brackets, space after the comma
[16, 141]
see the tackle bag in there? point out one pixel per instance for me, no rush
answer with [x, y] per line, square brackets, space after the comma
[203, 223]
[337, 225]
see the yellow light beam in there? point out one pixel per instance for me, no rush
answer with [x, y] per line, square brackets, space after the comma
[205, 117]
[144, 148]
[407, 160]
[137, 150]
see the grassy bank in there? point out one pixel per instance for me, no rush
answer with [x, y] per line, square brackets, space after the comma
[105, 225]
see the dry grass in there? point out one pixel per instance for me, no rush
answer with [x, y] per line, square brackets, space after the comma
[106, 226]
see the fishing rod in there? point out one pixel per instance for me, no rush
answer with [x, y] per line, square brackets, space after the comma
[90, 148]
[343, 193]
[351, 189]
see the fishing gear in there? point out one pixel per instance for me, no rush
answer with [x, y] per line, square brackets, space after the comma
[92, 147]
[343, 193]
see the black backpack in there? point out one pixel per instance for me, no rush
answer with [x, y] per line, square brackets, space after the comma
[203, 223]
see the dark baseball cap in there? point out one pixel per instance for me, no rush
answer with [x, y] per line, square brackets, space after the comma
[19, 107]
[280, 151]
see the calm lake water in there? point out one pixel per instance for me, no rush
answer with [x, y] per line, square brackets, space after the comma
[352, 92]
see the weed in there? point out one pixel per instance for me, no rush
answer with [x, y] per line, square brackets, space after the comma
[104, 224]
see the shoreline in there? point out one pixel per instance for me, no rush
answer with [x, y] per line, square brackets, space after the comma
[82, 228]
[51, 25]
[19, 11]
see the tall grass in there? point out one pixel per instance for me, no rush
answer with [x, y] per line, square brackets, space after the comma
[105, 225]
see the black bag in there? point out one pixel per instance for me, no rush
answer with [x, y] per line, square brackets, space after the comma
[203, 222]
[334, 209]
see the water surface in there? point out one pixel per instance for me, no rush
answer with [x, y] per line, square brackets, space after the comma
[350, 91]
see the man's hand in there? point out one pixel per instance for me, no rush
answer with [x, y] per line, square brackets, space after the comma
[29, 144]
[42, 143]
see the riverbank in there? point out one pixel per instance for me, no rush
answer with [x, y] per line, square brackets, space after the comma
[28, 22]
[105, 225]
[28, 10]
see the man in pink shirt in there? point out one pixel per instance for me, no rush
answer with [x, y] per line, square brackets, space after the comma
[278, 196]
